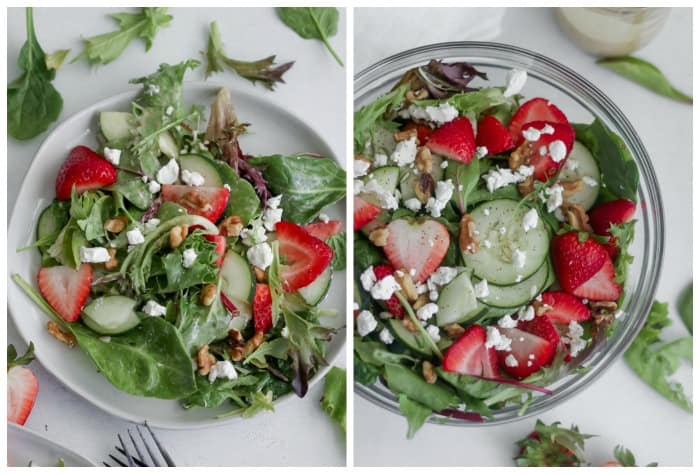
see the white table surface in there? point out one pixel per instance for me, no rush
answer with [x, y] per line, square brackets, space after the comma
[618, 406]
[298, 433]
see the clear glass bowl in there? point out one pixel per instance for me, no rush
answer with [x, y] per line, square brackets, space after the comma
[581, 101]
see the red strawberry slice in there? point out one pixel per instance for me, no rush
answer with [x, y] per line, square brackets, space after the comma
[530, 351]
[208, 202]
[304, 256]
[392, 304]
[323, 230]
[608, 213]
[493, 135]
[564, 308]
[220, 249]
[419, 245]
[454, 140]
[423, 131]
[84, 169]
[543, 328]
[364, 212]
[584, 269]
[541, 156]
[22, 388]
[468, 355]
[66, 289]
[262, 308]
[534, 110]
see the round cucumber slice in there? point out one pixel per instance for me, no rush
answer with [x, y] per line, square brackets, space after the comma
[110, 315]
[457, 301]
[203, 166]
[387, 177]
[116, 126]
[51, 219]
[500, 222]
[315, 291]
[238, 280]
[518, 294]
[414, 340]
[579, 164]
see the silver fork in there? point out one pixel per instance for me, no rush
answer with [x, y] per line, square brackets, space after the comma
[138, 459]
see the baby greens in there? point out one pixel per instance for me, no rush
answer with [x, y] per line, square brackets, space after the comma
[645, 74]
[334, 400]
[312, 23]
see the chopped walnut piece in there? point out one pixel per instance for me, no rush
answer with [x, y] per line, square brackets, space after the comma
[408, 288]
[576, 216]
[468, 241]
[454, 330]
[521, 155]
[421, 301]
[117, 224]
[424, 160]
[408, 324]
[569, 188]
[527, 186]
[208, 294]
[254, 342]
[603, 315]
[113, 263]
[540, 308]
[61, 335]
[413, 95]
[177, 235]
[429, 372]
[259, 274]
[424, 187]
[235, 337]
[205, 361]
[379, 237]
[231, 226]
[405, 135]
[195, 200]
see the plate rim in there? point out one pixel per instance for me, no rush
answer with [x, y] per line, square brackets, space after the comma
[59, 447]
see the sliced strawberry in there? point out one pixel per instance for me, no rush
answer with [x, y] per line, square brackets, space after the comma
[364, 212]
[423, 131]
[22, 387]
[468, 355]
[85, 170]
[324, 230]
[304, 257]
[530, 351]
[543, 328]
[608, 213]
[419, 245]
[534, 110]
[493, 135]
[575, 262]
[454, 140]
[208, 202]
[65, 289]
[564, 308]
[601, 286]
[220, 249]
[541, 156]
[262, 308]
[393, 305]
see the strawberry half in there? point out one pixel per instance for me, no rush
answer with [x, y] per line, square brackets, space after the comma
[608, 213]
[262, 308]
[364, 212]
[536, 109]
[468, 355]
[493, 135]
[208, 202]
[454, 140]
[423, 132]
[564, 308]
[584, 269]
[393, 305]
[304, 257]
[22, 388]
[84, 169]
[530, 351]
[542, 327]
[220, 249]
[419, 245]
[323, 230]
[541, 156]
[66, 289]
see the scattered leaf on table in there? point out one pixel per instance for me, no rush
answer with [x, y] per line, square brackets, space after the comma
[55, 59]
[312, 23]
[334, 401]
[685, 307]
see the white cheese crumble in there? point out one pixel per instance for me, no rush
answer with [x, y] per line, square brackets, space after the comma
[151, 224]
[444, 164]
[380, 159]
[271, 217]
[385, 288]
[511, 361]
[366, 323]
[443, 194]
[94, 255]
[368, 278]
[500, 177]
[188, 258]
[385, 336]
[588, 181]
[434, 332]
[553, 197]
[169, 110]
[516, 81]
[360, 168]
[530, 220]
[557, 150]
[427, 311]
[495, 339]
[274, 202]
[439, 114]
[576, 343]
[543, 150]
[486, 243]
[260, 255]
[253, 235]
[531, 134]
[192, 178]
[481, 151]
[324, 218]
[405, 152]
[433, 295]
[152, 308]
[169, 173]
[526, 313]
[518, 258]
[284, 332]
[481, 289]
[153, 187]
[106, 339]
[413, 204]
[112, 155]
[443, 275]
[507, 322]
[134, 236]
[223, 369]
[547, 129]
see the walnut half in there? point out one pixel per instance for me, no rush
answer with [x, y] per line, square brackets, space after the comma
[63, 336]
[205, 361]
[468, 241]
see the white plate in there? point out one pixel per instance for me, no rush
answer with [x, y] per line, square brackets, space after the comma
[273, 130]
[25, 445]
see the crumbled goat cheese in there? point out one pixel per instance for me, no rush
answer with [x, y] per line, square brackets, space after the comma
[274, 202]
[324, 218]
[557, 150]
[554, 198]
[502, 230]
[486, 244]
[543, 150]
[427, 311]
[253, 235]
[530, 220]
[444, 164]
[516, 81]
[284, 332]
[576, 343]
[360, 168]
[495, 339]
[481, 151]
[169, 110]
[152, 89]
[380, 159]
[443, 275]
[507, 322]
[385, 288]
[355, 306]
[526, 313]
[434, 332]
[481, 289]
[386, 315]
[385, 336]
[433, 295]
[112, 155]
[443, 194]
[518, 278]
[412, 272]
[192, 178]
[169, 173]
[547, 129]
[588, 181]
[366, 323]
[500, 177]
[439, 115]
[134, 236]
[188, 258]
[94, 255]
[526, 171]
[413, 204]
[271, 217]
[511, 361]
[531, 134]
[422, 288]
[385, 198]
[154, 187]
[152, 308]
[405, 152]
[151, 224]
[518, 258]
[368, 278]
[260, 255]
[223, 369]
[487, 211]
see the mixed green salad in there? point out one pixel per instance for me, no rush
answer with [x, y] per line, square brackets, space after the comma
[184, 268]
[491, 242]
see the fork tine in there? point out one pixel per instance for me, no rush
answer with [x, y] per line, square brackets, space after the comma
[106, 465]
[148, 448]
[168, 460]
[136, 446]
[137, 461]
[117, 461]
[128, 456]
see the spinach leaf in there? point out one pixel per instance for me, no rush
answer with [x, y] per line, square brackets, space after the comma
[619, 173]
[55, 59]
[365, 373]
[312, 23]
[202, 271]
[133, 189]
[654, 360]
[402, 380]
[416, 414]
[474, 103]
[685, 307]
[334, 400]
[365, 253]
[365, 119]
[213, 394]
[465, 177]
[307, 183]
[105, 48]
[199, 324]
[32, 101]
[243, 201]
[645, 74]
[337, 243]
[93, 224]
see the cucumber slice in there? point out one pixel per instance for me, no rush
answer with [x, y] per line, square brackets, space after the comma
[457, 301]
[386, 176]
[382, 142]
[518, 294]
[239, 282]
[167, 145]
[116, 126]
[51, 220]
[408, 179]
[110, 315]
[414, 340]
[584, 164]
[500, 222]
[315, 291]
[203, 166]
